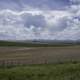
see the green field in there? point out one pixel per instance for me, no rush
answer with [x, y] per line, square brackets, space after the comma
[68, 71]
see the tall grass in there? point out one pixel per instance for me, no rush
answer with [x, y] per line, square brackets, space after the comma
[69, 71]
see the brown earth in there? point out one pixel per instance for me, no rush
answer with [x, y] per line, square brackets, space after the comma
[40, 55]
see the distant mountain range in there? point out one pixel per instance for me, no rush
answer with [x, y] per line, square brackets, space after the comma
[54, 42]
[44, 41]
[39, 43]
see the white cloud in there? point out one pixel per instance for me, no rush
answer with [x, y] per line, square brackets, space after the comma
[39, 24]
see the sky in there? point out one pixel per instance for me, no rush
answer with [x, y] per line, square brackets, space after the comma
[40, 19]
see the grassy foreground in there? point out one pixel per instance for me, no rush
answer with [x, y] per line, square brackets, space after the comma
[67, 71]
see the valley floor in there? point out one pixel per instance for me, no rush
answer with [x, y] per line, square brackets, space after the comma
[38, 55]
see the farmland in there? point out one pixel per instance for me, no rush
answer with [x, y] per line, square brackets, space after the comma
[39, 62]
[40, 55]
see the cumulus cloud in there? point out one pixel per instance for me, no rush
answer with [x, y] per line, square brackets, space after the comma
[73, 24]
[31, 24]
[36, 22]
